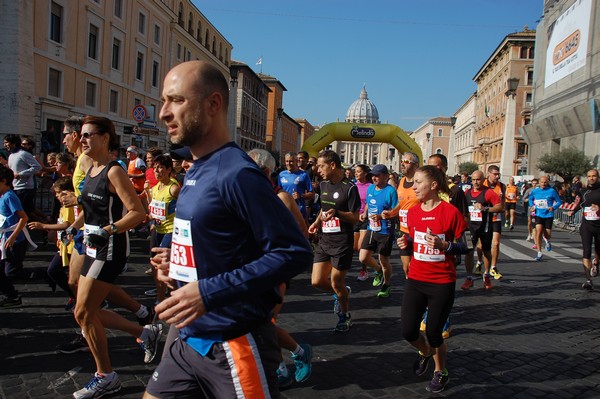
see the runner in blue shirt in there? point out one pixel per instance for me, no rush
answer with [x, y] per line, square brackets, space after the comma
[296, 182]
[544, 200]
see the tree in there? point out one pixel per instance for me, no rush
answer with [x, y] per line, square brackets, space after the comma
[567, 163]
[468, 167]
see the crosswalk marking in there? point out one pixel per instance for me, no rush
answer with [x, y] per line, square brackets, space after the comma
[551, 254]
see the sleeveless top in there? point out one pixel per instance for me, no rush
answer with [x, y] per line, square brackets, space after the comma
[407, 199]
[162, 207]
[101, 208]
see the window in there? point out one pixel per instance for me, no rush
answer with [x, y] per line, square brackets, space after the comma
[189, 55]
[142, 24]
[199, 33]
[528, 97]
[139, 66]
[180, 15]
[118, 9]
[56, 23]
[155, 72]
[90, 94]
[440, 132]
[93, 42]
[54, 82]
[113, 102]
[178, 51]
[116, 54]
[530, 77]
[521, 149]
[137, 101]
[157, 34]
[190, 22]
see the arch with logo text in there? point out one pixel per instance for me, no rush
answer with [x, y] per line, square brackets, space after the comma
[378, 133]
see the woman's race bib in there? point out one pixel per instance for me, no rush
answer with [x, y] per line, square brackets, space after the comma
[541, 204]
[374, 224]
[590, 214]
[158, 210]
[475, 214]
[403, 218]
[424, 252]
[332, 225]
[183, 264]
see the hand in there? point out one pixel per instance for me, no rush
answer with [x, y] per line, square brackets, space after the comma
[433, 241]
[402, 242]
[550, 208]
[161, 262]
[312, 229]
[362, 217]
[35, 226]
[478, 206]
[67, 198]
[10, 241]
[183, 306]
[97, 239]
[374, 217]
[295, 195]
[386, 214]
[328, 214]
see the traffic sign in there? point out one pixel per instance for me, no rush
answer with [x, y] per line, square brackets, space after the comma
[139, 113]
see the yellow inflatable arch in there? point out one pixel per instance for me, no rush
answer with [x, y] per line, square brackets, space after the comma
[379, 133]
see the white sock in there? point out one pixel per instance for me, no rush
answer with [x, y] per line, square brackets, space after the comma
[298, 350]
[539, 253]
[142, 312]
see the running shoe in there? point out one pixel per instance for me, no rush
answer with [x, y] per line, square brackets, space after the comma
[421, 364]
[588, 285]
[302, 363]
[487, 282]
[150, 345]
[529, 238]
[512, 227]
[336, 304]
[284, 380]
[384, 292]
[438, 382]
[548, 246]
[467, 284]
[478, 267]
[534, 246]
[344, 323]
[378, 279]
[99, 386]
[11, 302]
[362, 275]
[538, 258]
[447, 329]
[78, 344]
[149, 271]
[495, 273]
[149, 319]
[594, 270]
[506, 224]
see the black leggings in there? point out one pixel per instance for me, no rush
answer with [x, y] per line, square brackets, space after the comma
[588, 233]
[58, 273]
[419, 296]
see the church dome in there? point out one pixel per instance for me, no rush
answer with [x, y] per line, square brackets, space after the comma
[362, 110]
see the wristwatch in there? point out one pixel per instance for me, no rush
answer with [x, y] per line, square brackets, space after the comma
[113, 229]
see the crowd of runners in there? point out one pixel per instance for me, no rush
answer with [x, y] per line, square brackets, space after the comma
[228, 232]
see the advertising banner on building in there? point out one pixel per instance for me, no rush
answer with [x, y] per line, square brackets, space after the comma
[568, 44]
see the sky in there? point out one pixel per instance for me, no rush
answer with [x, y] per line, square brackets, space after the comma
[417, 59]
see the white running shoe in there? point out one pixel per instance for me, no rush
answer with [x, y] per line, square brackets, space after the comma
[99, 386]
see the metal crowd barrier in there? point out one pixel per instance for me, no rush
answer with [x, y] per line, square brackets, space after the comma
[562, 220]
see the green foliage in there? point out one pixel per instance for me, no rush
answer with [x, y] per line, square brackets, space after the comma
[566, 163]
[468, 167]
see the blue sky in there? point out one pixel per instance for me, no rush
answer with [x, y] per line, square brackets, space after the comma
[417, 59]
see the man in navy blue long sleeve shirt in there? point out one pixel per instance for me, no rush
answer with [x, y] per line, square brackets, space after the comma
[233, 243]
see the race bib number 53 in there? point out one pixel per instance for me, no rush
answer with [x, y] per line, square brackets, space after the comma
[183, 264]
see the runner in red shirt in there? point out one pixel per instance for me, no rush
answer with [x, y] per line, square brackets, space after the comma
[433, 227]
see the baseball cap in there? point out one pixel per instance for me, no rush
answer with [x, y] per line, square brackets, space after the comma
[379, 169]
[182, 154]
[132, 149]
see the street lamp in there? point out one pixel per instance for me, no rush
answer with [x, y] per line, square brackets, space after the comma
[427, 153]
[233, 73]
[279, 133]
[512, 84]
[453, 120]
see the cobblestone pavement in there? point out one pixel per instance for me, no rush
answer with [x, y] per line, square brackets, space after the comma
[535, 334]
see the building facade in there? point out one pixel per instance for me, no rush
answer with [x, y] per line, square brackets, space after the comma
[566, 81]
[462, 136]
[503, 104]
[97, 57]
[433, 136]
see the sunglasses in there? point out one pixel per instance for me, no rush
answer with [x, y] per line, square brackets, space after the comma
[406, 161]
[87, 135]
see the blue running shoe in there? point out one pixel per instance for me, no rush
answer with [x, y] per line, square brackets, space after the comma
[302, 363]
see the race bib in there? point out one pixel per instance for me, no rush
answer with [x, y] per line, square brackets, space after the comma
[158, 210]
[182, 263]
[76, 211]
[475, 214]
[331, 226]
[374, 224]
[511, 196]
[403, 218]
[541, 203]
[87, 229]
[425, 253]
[589, 214]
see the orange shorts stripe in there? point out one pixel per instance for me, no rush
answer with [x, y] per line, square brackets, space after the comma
[246, 368]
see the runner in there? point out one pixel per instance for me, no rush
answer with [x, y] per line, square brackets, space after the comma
[493, 182]
[363, 182]
[433, 227]
[543, 200]
[530, 214]
[340, 204]
[512, 197]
